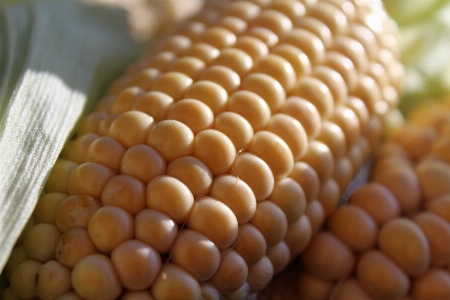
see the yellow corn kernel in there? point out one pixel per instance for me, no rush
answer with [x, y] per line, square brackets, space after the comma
[40, 242]
[155, 229]
[170, 196]
[17, 256]
[115, 223]
[203, 218]
[22, 280]
[52, 279]
[75, 212]
[195, 253]
[73, 245]
[45, 210]
[230, 261]
[98, 270]
[142, 162]
[136, 263]
[250, 244]
[297, 238]
[279, 256]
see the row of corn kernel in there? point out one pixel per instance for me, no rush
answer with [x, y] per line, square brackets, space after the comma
[322, 201]
[90, 178]
[391, 240]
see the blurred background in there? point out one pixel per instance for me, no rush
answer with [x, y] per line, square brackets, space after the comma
[146, 17]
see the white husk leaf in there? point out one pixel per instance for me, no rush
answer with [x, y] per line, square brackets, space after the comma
[56, 58]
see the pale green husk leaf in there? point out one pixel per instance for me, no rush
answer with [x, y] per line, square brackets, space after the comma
[425, 47]
[56, 58]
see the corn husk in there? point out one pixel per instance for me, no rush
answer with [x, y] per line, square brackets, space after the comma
[425, 46]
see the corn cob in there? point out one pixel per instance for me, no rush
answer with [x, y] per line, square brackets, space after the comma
[391, 241]
[209, 164]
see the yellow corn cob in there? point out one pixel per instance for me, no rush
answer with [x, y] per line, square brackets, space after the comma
[212, 161]
[392, 239]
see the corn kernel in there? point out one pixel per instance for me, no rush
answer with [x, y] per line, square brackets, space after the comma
[304, 112]
[236, 194]
[375, 262]
[318, 27]
[110, 226]
[144, 80]
[136, 263]
[142, 162]
[235, 59]
[252, 107]
[255, 172]
[106, 151]
[259, 275]
[125, 192]
[155, 104]
[297, 237]
[98, 271]
[234, 24]
[78, 149]
[196, 254]
[125, 100]
[253, 46]
[73, 245]
[203, 218]
[215, 149]
[172, 139]
[236, 127]
[224, 76]
[193, 113]
[308, 179]
[333, 136]
[231, 263]
[327, 245]
[89, 179]
[210, 93]
[155, 229]
[274, 151]
[22, 279]
[271, 221]
[193, 173]
[52, 280]
[279, 256]
[288, 195]
[173, 276]
[250, 243]
[45, 210]
[173, 84]
[267, 87]
[203, 51]
[306, 41]
[265, 35]
[75, 212]
[169, 196]
[277, 67]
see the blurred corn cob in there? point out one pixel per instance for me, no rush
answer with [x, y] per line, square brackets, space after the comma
[391, 241]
